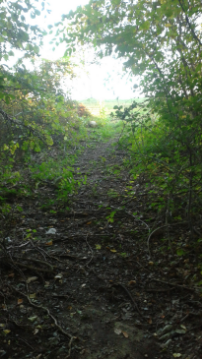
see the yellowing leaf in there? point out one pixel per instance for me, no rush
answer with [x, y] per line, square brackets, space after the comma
[98, 246]
[6, 331]
[125, 334]
[177, 355]
[113, 250]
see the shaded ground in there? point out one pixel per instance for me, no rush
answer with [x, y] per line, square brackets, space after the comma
[84, 285]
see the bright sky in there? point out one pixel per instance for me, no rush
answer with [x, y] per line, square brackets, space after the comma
[94, 83]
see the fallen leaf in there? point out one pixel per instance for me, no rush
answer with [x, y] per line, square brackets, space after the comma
[50, 243]
[117, 331]
[98, 246]
[31, 279]
[32, 296]
[20, 301]
[38, 356]
[51, 231]
[151, 263]
[58, 276]
[88, 223]
[132, 282]
[113, 250]
[36, 330]
[150, 320]
[125, 334]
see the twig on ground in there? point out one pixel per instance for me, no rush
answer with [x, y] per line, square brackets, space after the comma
[148, 240]
[90, 250]
[37, 261]
[32, 267]
[181, 286]
[40, 250]
[138, 219]
[24, 341]
[156, 229]
[70, 347]
[130, 296]
[50, 315]
[159, 289]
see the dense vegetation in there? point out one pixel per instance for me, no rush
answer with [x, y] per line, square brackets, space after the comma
[160, 41]
[100, 223]
[39, 121]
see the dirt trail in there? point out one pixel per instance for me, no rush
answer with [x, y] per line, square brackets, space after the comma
[89, 279]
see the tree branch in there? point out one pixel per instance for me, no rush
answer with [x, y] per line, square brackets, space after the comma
[189, 24]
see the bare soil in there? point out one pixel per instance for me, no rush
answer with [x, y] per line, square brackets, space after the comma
[91, 289]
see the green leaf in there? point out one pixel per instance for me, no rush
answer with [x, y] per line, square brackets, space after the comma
[181, 252]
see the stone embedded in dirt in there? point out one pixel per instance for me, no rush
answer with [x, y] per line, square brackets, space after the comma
[51, 231]
[92, 124]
